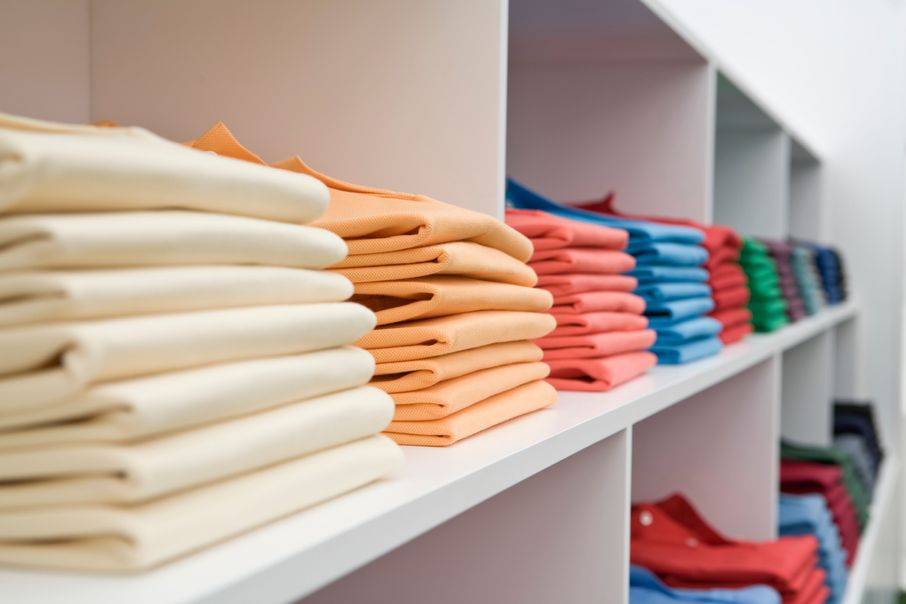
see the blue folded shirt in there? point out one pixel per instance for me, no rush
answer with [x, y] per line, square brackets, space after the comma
[672, 291]
[650, 253]
[687, 352]
[665, 313]
[518, 196]
[686, 331]
[669, 274]
[646, 588]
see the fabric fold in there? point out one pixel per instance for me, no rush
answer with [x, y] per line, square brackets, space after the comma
[549, 232]
[596, 345]
[596, 322]
[588, 302]
[599, 374]
[688, 351]
[579, 283]
[579, 260]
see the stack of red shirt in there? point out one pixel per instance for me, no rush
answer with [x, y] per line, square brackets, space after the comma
[728, 282]
[602, 336]
[672, 540]
[826, 480]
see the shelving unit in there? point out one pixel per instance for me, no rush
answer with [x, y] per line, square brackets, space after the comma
[574, 98]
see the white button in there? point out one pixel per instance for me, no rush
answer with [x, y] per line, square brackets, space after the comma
[692, 542]
[646, 518]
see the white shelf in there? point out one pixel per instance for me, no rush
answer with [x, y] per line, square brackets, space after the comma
[296, 556]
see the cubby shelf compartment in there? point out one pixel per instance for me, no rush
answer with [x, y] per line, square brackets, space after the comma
[296, 556]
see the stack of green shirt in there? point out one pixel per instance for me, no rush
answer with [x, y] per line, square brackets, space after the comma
[767, 303]
[802, 261]
[837, 457]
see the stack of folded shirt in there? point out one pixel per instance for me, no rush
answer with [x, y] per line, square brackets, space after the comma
[646, 588]
[726, 278]
[805, 477]
[780, 252]
[809, 515]
[802, 260]
[601, 336]
[174, 368]
[767, 303]
[454, 299]
[670, 277]
[671, 539]
[833, 276]
[855, 432]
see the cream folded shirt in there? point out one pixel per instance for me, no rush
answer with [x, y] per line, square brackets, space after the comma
[136, 408]
[48, 167]
[129, 473]
[160, 238]
[46, 363]
[131, 537]
[42, 296]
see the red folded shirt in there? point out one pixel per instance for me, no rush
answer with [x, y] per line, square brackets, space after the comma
[577, 283]
[728, 275]
[581, 260]
[729, 335]
[722, 255]
[598, 301]
[734, 297]
[596, 345]
[597, 322]
[549, 232]
[601, 374]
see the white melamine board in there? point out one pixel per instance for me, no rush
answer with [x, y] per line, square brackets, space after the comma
[719, 448]
[808, 388]
[388, 93]
[751, 180]
[44, 63]
[641, 129]
[809, 216]
[560, 536]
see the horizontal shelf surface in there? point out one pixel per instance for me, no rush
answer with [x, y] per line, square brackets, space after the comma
[296, 556]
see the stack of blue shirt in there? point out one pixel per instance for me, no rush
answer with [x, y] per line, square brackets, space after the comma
[668, 268]
[809, 515]
[646, 588]
[830, 267]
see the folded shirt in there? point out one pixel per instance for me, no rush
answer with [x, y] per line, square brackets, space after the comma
[669, 274]
[443, 335]
[46, 363]
[116, 239]
[646, 588]
[690, 329]
[735, 333]
[450, 396]
[722, 256]
[457, 258]
[733, 297]
[588, 302]
[48, 167]
[86, 473]
[476, 418]
[135, 408]
[578, 283]
[672, 291]
[581, 260]
[597, 322]
[675, 354]
[727, 276]
[406, 376]
[600, 374]
[395, 301]
[666, 313]
[129, 537]
[44, 296]
[732, 317]
[549, 232]
[596, 345]
[668, 254]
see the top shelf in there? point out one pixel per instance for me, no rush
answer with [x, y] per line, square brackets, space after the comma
[296, 556]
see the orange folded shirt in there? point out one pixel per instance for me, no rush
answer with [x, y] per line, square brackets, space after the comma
[443, 335]
[450, 396]
[471, 420]
[597, 322]
[549, 232]
[579, 260]
[378, 220]
[601, 374]
[578, 283]
[405, 376]
[395, 301]
[596, 345]
[456, 258]
[598, 301]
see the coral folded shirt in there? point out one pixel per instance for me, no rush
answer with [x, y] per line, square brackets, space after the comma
[581, 260]
[443, 335]
[456, 258]
[395, 301]
[549, 232]
[406, 376]
[588, 302]
[599, 374]
[450, 396]
[596, 345]
[475, 418]
[578, 283]
[733, 297]
[597, 322]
